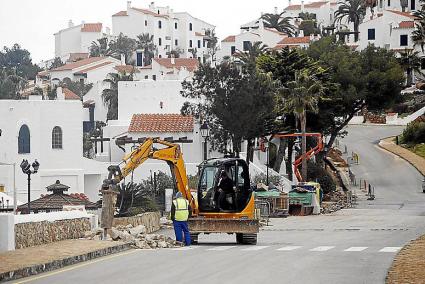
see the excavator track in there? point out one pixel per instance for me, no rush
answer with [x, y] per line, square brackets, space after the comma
[246, 239]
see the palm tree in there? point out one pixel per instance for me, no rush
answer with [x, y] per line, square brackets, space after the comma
[249, 56]
[411, 63]
[418, 35]
[100, 48]
[110, 95]
[354, 11]
[301, 95]
[279, 22]
[146, 43]
[122, 45]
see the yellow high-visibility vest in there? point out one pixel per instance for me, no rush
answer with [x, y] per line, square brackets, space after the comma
[182, 209]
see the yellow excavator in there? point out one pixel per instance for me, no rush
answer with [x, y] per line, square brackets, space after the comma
[236, 216]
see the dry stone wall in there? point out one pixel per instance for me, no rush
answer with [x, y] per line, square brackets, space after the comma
[37, 233]
[150, 220]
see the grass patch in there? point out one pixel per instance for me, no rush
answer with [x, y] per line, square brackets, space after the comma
[418, 149]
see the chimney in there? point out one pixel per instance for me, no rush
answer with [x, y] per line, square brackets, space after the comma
[289, 2]
[275, 10]
[70, 24]
[152, 6]
[173, 61]
[302, 6]
[83, 22]
[301, 34]
[108, 30]
[128, 5]
[122, 59]
[59, 94]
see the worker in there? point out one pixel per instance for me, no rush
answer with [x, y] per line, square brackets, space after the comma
[180, 212]
[225, 186]
[423, 184]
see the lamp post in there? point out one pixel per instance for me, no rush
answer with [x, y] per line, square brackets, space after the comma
[205, 133]
[266, 145]
[26, 169]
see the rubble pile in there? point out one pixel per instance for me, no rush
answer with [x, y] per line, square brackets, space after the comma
[165, 223]
[335, 201]
[137, 236]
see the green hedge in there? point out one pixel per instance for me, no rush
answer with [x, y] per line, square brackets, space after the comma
[414, 133]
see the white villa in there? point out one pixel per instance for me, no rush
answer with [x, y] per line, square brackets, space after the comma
[171, 30]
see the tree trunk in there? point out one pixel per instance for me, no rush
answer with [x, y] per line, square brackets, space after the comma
[249, 151]
[280, 155]
[288, 161]
[409, 77]
[356, 30]
[303, 145]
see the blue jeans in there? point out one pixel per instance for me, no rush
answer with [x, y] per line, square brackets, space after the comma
[181, 227]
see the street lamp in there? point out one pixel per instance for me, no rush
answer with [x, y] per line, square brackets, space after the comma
[205, 133]
[266, 145]
[26, 169]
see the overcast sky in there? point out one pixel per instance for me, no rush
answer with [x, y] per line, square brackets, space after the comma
[32, 23]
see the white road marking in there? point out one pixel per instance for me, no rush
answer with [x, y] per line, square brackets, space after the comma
[356, 249]
[390, 249]
[221, 248]
[186, 248]
[322, 248]
[288, 248]
[254, 248]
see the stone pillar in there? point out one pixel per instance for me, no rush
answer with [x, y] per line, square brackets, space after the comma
[7, 232]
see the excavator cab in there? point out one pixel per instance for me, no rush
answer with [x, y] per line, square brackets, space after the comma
[211, 172]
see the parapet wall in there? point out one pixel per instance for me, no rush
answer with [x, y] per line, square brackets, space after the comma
[38, 233]
[150, 220]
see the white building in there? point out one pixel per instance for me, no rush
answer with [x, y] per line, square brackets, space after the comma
[248, 36]
[171, 30]
[324, 11]
[168, 69]
[77, 39]
[51, 132]
[388, 29]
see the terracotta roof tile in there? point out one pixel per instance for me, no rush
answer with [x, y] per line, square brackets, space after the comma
[275, 31]
[190, 64]
[92, 28]
[73, 57]
[295, 40]
[120, 14]
[43, 73]
[69, 95]
[149, 12]
[280, 46]
[231, 38]
[84, 71]
[405, 14]
[309, 5]
[199, 34]
[56, 201]
[126, 69]
[79, 63]
[406, 25]
[161, 123]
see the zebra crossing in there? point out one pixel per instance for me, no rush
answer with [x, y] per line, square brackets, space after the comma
[316, 249]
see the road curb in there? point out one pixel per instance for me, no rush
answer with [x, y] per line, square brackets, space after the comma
[56, 264]
[403, 153]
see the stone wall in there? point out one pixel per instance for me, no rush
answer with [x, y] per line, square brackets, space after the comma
[37, 233]
[150, 220]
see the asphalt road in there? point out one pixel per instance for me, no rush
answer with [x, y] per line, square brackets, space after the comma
[349, 246]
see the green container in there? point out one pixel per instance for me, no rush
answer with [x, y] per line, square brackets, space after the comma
[304, 198]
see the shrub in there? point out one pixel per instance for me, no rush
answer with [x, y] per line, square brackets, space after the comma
[262, 178]
[414, 133]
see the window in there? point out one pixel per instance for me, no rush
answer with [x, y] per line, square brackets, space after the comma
[412, 5]
[190, 43]
[154, 77]
[389, 3]
[159, 24]
[139, 59]
[146, 76]
[199, 43]
[24, 140]
[199, 59]
[190, 26]
[175, 26]
[203, 43]
[176, 42]
[146, 23]
[159, 41]
[246, 45]
[403, 40]
[57, 138]
[232, 49]
[423, 63]
[371, 34]
[158, 12]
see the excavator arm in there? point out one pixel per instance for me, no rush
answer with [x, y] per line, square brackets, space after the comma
[170, 153]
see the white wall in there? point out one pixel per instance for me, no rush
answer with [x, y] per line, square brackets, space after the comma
[68, 41]
[145, 97]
